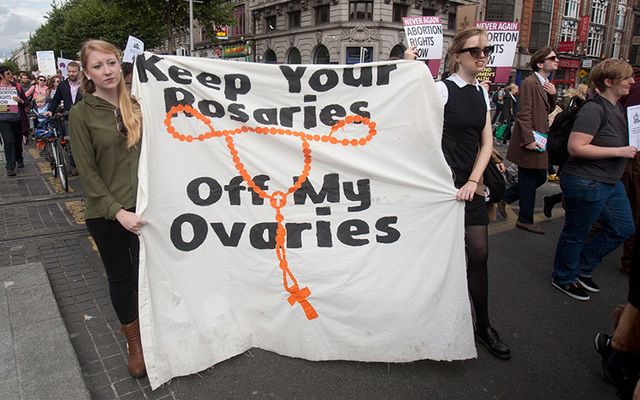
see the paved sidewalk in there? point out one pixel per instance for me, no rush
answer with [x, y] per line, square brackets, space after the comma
[37, 359]
[42, 231]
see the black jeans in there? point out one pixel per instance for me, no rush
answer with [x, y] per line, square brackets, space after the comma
[12, 141]
[525, 191]
[119, 250]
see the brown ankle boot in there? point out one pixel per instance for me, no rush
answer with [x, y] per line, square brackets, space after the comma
[134, 347]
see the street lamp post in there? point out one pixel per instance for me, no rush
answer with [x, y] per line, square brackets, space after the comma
[191, 25]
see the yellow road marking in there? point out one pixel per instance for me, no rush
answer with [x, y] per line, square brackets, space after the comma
[93, 244]
[76, 208]
[34, 153]
[510, 223]
[44, 167]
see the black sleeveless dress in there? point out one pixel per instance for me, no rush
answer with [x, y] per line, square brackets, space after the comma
[465, 115]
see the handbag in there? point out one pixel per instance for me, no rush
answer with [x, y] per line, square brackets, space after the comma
[494, 181]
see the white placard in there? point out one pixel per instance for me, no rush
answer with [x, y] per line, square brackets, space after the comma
[62, 65]
[134, 47]
[504, 37]
[633, 118]
[46, 62]
[7, 103]
[426, 34]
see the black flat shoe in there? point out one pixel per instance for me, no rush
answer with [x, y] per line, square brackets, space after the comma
[547, 206]
[491, 340]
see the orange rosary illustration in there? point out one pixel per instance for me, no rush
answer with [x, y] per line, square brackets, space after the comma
[277, 199]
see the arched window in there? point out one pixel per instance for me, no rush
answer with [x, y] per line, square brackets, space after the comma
[293, 57]
[321, 55]
[397, 52]
[270, 57]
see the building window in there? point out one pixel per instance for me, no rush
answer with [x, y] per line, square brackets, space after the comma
[599, 11]
[571, 9]
[293, 57]
[569, 30]
[541, 20]
[321, 55]
[359, 55]
[616, 44]
[294, 19]
[238, 28]
[594, 42]
[399, 11]
[270, 57]
[428, 12]
[397, 52]
[270, 23]
[451, 21]
[361, 11]
[622, 8]
[322, 14]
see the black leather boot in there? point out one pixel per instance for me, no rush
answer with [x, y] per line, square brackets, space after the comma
[491, 340]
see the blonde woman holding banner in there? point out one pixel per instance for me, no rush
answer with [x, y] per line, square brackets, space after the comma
[467, 143]
[105, 131]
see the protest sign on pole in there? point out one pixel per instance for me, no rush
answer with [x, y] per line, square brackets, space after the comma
[46, 62]
[62, 65]
[504, 37]
[7, 102]
[134, 47]
[426, 34]
[305, 210]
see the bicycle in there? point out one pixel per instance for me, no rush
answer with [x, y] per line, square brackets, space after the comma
[51, 141]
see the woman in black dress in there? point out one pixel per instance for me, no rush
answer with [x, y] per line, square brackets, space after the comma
[467, 143]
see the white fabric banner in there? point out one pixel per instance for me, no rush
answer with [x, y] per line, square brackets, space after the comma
[306, 210]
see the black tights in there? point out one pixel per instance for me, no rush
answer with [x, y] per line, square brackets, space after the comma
[119, 250]
[477, 247]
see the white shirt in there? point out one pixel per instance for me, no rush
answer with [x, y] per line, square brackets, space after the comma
[74, 86]
[455, 78]
[541, 78]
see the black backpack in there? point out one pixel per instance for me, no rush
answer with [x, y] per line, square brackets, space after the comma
[558, 139]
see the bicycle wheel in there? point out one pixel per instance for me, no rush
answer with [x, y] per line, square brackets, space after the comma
[53, 158]
[61, 165]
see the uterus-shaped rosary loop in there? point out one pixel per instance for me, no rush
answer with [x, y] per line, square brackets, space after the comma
[277, 199]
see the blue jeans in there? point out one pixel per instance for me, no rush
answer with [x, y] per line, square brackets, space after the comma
[585, 202]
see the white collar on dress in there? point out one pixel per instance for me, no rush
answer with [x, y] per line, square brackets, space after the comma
[455, 78]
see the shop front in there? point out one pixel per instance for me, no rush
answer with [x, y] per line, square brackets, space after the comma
[565, 77]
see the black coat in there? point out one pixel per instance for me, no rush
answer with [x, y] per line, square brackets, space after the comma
[63, 93]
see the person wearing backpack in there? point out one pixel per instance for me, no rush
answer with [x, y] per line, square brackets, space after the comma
[591, 184]
[558, 137]
[537, 99]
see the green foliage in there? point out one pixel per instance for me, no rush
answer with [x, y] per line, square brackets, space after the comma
[12, 65]
[71, 23]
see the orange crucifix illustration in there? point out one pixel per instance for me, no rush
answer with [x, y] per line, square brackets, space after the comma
[277, 199]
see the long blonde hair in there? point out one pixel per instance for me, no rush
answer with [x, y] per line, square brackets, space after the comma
[129, 109]
[458, 44]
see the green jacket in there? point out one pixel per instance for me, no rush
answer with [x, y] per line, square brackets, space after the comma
[108, 171]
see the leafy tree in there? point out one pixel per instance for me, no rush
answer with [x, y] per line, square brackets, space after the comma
[12, 65]
[69, 24]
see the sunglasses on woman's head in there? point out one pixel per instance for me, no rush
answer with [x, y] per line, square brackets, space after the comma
[41, 80]
[477, 51]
